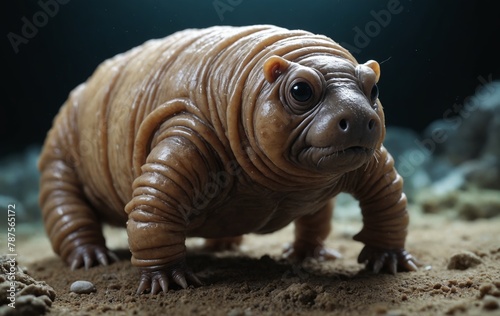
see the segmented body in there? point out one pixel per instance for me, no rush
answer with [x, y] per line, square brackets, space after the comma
[168, 136]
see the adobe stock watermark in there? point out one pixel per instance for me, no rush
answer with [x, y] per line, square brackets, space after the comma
[381, 19]
[223, 6]
[11, 255]
[456, 114]
[31, 27]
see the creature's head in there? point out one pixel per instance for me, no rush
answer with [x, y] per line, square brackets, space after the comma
[320, 114]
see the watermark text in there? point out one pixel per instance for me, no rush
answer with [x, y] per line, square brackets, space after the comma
[223, 6]
[11, 254]
[30, 27]
[381, 19]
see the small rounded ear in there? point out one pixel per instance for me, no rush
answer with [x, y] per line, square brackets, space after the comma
[274, 67]
[375, 67]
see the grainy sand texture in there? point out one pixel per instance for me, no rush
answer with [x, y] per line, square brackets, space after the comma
[460, 275]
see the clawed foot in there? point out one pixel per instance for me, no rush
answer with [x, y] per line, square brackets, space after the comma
[299, 251]
[90, 255]
[157, 279]
[377, 258]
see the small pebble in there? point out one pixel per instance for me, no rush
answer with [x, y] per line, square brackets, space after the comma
[395, 312]
[490, 302]
[82, 287]
[485, 289]
[463, 260]
[460, 307]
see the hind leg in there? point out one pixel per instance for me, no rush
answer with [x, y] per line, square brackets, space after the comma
[310, 234]
[221, 244]
[73, 228]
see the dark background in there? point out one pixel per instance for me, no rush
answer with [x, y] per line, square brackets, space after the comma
[434, 51]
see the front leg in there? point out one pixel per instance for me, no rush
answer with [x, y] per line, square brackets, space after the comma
[310, 233]
[379, 188]
[163, 197]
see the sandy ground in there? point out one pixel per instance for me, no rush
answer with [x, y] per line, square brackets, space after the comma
[254, 280]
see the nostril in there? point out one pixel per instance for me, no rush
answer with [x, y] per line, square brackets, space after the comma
[343, 124]
[371, 124]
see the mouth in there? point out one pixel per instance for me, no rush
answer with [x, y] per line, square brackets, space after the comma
[353, 150]
[349, 152]
[334, 157]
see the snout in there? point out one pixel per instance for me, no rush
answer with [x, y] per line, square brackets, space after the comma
[341, 136]
[345, 128]
[359, 128]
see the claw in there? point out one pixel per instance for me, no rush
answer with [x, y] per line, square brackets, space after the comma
[113, 256]
[393, 264]
[180, 280]
[409, 262]
[159, 282]
[193, 278]
[87, 261]
[77, 262]
[101, 257]
[88, 255]
[378, 258]
[155, 287]
[299, 251]
[144, 284]
[378, 264]
[411, 266]
[156, 279]
[164, 284]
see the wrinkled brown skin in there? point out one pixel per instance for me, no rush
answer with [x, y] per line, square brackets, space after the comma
[201, 134]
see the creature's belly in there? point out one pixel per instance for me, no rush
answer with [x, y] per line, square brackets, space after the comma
[245, 215]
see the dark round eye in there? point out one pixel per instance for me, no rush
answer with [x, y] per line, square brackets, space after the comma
[301, 91]
[374, 93]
